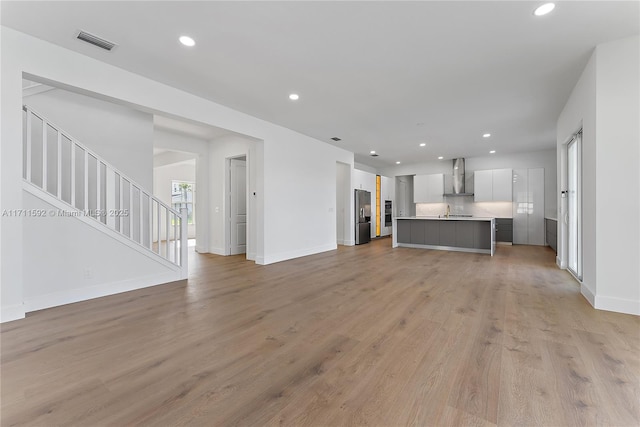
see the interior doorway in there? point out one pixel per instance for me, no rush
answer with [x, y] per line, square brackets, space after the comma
[237, 212]
[404, 196]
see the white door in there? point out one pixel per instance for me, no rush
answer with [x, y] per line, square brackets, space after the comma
[238, 206]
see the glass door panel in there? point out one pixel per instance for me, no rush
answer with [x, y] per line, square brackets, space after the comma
[574, 213]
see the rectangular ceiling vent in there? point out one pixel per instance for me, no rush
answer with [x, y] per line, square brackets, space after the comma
[95, 40]
[336, 139]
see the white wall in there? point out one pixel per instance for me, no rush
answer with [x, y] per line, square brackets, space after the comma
[344, 196]
[121, 135]
[294, 176]
[101, 265]
[605, 103]
[162, 180]
[617, 171]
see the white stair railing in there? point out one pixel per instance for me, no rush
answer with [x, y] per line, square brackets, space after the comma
[60, 165]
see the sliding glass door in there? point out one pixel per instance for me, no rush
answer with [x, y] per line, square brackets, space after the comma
[574, 207]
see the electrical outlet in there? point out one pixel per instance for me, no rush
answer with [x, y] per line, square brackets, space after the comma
[88, 273]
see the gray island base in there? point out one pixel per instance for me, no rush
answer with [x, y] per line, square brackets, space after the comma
[472, 234]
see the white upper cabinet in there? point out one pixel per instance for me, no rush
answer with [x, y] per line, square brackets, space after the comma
[428, 188]
[502, 185]
[494, 185]
[483, 186]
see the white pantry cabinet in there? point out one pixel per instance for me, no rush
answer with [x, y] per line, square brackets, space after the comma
[494, 185]
[528, 207]
[428, 188]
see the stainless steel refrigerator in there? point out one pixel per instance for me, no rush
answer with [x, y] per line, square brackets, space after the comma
[363, 217]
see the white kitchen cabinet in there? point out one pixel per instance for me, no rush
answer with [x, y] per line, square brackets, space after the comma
[428, 188]
[528, 207]
[419, 189]
[483, 186]
[502, 185]
[494, 185]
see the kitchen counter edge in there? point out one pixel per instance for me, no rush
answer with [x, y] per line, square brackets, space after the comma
[473, 218]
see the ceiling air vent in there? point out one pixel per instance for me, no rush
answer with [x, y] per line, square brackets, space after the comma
[95, 40]
[336, 139]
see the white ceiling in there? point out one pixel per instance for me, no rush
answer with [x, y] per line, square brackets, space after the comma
[192, 129]
[382, 76]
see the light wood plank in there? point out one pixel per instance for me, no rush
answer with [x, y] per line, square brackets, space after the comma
[364, 335]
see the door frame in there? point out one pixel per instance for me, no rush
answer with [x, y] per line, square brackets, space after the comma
[227, 202]
[576, 139]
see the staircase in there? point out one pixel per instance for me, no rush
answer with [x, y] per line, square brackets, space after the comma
[79, 183]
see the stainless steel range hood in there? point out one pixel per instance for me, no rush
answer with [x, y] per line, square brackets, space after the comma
[458, 179]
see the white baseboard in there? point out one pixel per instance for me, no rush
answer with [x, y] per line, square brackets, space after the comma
[284, 256]
[619, 305]
[56, 299]
[217, 251]
[12, 312]
[251, 256]
[351, 242]
[586, 292]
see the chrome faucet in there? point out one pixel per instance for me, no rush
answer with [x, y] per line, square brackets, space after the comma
[448, 212]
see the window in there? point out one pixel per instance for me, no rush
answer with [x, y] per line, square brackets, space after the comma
[183, 196]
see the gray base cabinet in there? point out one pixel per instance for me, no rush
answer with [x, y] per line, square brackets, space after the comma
[470, 235]
[447, 233]
[504, 230]
[482, 237]
[404, 231]
[551, 231]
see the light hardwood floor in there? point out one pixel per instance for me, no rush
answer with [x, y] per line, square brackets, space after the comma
[364, 335]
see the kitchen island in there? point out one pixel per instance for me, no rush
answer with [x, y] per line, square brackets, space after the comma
[463, 234]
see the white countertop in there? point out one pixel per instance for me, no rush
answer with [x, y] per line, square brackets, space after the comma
[462, 218]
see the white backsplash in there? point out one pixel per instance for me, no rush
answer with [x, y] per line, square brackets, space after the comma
[466, 206]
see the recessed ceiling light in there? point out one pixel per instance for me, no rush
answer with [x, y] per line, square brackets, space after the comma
[492, 152]
[486, 135]
[397, 163]
[422, 144]
[187, 41]
[372, 152]
[294, 97]
[544, 9]
[440, 158]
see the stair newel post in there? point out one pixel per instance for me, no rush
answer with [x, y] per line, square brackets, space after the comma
[184, 235]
